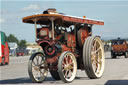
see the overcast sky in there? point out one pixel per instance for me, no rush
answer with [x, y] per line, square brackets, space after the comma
[113, 13]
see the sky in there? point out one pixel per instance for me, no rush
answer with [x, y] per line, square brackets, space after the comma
[114, 14]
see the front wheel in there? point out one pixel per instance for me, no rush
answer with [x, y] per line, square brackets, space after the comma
[37, 67]
[67, 67]
[93, 57]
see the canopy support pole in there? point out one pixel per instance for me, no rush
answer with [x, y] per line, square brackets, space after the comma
[35, 23]
[52, 20]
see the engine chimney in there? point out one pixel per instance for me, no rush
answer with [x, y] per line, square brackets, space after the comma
[50, 10]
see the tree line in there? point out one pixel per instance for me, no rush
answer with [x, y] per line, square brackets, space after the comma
[12, 38]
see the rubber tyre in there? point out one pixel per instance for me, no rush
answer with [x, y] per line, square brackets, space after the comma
[60, 68]
[30, 68]
[113, 56]
[126, 54]
[87, 57]
[55, 74]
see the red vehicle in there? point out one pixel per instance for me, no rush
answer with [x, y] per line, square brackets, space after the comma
[20, 54]
[4, 50]
[119, 48]
[67, 44]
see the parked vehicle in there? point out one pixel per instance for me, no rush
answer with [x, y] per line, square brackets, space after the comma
[4, 50]
[21, 51]
[119, 48]
[67, 44]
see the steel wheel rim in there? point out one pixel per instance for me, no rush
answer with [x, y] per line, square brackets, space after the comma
[97, 57]
[39, 74]
[69, 67]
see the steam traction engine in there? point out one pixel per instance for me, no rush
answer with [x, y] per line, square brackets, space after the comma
[67, 44]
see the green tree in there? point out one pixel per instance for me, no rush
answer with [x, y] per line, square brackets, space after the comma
[22, 43]
[12, 38]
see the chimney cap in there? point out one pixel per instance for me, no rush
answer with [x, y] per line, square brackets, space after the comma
[50, 10]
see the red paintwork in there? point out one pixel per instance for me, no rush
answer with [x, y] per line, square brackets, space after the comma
[84, 34]
[70, 46]
[2, 53]
[120, 47]
[50, 53]
[45, 41]
[54, 59]
[68, 60]
[2, 48]
[65, 48]
[5, 53]
[20, 54]
[80, 20]
[58, 37]
[71, 41]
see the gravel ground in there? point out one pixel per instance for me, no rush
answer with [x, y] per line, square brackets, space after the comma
[116, 73]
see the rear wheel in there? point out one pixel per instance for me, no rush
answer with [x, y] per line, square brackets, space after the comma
[37, 67]
[67, 67]
[55, 74]
[93, 57]
[113, 55]
[126, 54]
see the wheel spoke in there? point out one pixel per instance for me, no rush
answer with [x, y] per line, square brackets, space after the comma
[94, 66]
[63, 65]
[92, 59]
[93, 53]
[63, 70]
[36, 59]
[67, 70]
[40, 74]
[43, 73]
[95, 45]
[36, 73]
[40, 60]
[33, 63]
[98, 50]
[97, 65]
[67, 59]
[70, 73]
[66, 73]
[42, 63]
